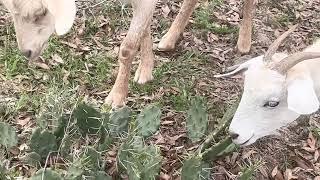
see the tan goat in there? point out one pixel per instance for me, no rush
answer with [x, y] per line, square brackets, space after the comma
[36, 20]
[139, 35]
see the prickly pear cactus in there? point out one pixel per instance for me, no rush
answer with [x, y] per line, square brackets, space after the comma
[43, 142]
[74, 173]
[2, 172]
[119, 120]
[138, 160]
[65, 145]
[88, 119]
[191, 168]
[32, 159]
[148, 121]
[91, 159]
[8, 137]
[46, 174]
[197, 119]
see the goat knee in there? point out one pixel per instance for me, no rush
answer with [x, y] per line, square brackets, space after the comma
[126, 52]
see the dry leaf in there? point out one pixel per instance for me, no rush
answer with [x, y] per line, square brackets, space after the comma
[23, 122]
[274, 171]
[288, 175]
[57, 59]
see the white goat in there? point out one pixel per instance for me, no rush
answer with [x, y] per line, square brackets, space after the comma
[36, 20]
[277, 89]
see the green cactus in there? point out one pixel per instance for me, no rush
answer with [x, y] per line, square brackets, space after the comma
[74, 173]
[46, 174]
[88, 119]
[43, 142]
[191, 168]
[119, 121]
[138, 160]
[197, 119]
[65, 145]
[91, 159]
[148, 121]
[224, 123]
[100, 175]
[8, 136]
[32, 159]
[214, 151]
[59, 131]
[2, 172]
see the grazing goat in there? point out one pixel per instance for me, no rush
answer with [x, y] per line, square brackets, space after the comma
[36, 20]
[278, 88]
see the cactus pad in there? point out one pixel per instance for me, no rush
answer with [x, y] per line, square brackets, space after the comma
[43, 142]
[8, 137]
[197, 119]
[149, 120]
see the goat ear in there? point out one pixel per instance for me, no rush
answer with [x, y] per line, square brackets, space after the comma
[302, 97]
[64, 12]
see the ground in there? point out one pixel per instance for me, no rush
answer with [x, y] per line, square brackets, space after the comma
[84, 62]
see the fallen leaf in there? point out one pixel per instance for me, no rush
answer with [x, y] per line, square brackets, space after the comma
[57, 59]
[288, 175]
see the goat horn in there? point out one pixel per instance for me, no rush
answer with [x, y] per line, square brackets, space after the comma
[275, 45]
[284, 65]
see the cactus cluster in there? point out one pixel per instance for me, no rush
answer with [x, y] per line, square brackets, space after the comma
[135, 158]
[195, 166]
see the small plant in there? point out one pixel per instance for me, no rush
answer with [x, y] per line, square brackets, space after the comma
[46, 174]
[197, 119]
[119, 121]
[138, 160]
[8, 137]
[43, 142]
[148, 121]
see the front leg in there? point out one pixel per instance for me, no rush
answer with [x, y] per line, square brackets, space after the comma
[144, 71]
[170, 39]
[245, 32]
[142, 16]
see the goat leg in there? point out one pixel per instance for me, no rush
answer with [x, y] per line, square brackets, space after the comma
[144, 71]
[142, 16]
[245, 32]
[169, 40]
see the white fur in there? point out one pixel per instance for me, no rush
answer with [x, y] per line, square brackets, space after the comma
[297, 93]
[64, 12]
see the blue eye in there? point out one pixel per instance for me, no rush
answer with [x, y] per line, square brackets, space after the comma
[271, 104]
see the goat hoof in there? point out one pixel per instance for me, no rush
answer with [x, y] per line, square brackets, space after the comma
[142, 77]
[143, 74]
[115, 100]
[166, 44]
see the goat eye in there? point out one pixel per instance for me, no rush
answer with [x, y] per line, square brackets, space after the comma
[271, 104]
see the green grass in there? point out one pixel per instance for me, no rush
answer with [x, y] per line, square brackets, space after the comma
[205, 21]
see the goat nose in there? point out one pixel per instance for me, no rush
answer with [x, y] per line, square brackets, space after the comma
[27, 53]
[233, 135]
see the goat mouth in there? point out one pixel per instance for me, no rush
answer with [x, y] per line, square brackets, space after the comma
[247, 141]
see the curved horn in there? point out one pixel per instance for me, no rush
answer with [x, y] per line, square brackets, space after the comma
[275, 45]
[284, 65]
